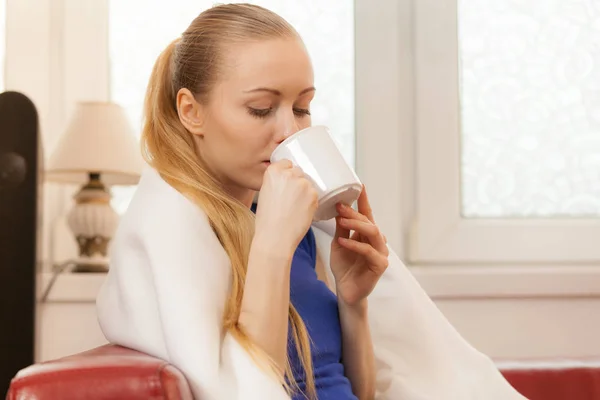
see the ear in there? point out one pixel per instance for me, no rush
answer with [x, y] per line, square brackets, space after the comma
[190, 112]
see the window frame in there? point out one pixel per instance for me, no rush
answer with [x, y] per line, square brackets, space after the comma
[440, 234]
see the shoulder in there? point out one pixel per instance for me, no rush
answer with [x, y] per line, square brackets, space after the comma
[159, 209]
[165, 225]
[168, 238]
[166, 263]
[154, 198]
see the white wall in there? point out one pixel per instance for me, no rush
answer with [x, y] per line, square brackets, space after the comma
[528, 328]
[504, 328]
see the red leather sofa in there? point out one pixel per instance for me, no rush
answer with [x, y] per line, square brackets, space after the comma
[115, 373]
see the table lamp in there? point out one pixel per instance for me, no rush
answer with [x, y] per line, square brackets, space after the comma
[97, 150]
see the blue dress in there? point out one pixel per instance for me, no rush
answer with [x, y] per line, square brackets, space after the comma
[318, 307]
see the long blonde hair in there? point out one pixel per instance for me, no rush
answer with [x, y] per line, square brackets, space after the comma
[193, 62]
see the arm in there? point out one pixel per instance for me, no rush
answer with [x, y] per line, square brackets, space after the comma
[283, 215]
[265, 304]
[357, 348]
[191, 275]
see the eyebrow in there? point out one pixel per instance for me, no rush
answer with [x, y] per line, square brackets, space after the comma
[277, 92]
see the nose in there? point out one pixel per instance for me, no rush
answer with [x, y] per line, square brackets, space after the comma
[287, 125]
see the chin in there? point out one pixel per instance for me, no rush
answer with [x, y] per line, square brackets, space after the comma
[256, 185]
[252, 177]
[254, 182]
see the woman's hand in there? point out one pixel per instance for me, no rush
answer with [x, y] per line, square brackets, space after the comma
[286, 207]
[357, 260]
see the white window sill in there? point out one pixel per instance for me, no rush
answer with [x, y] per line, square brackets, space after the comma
[440, 282]
[536, 281]
[70, 287]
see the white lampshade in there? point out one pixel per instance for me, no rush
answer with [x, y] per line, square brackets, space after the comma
[98, 139]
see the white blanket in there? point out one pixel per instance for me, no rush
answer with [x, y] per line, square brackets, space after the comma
[165, 295]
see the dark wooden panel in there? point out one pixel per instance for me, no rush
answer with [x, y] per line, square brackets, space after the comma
[19, 191]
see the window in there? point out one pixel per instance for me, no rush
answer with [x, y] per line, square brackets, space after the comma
[530, 109]
[508, 132]
[136, 40]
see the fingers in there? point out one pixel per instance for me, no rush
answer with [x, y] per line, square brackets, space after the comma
[340, 230]
[346, 211]
[367, 230]
[282, 164]
[364, 207]
[377, 262]
[286, 165]
[296, 172]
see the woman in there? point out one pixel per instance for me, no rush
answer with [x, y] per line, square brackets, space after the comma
[240, 302]
[220, 99]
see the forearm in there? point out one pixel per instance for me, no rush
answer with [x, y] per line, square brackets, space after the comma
[357, 350]
[265, 303]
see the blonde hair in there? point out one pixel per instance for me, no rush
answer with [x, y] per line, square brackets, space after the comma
[193, 62]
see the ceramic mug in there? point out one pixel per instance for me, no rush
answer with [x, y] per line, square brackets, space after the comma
[314, 151]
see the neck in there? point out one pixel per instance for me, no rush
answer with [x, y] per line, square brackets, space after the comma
[245, 196]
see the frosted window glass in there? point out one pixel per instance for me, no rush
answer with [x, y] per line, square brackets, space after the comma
[530, 108]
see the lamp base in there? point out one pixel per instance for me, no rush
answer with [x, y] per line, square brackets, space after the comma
[93, 222]
[90, 265]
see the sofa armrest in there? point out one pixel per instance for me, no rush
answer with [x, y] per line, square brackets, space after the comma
[108, 372]
[554, 379]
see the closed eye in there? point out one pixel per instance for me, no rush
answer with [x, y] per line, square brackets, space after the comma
[260, 112]
[301, 112]
[264, 112]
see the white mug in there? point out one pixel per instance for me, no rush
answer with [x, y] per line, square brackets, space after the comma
[314, 151]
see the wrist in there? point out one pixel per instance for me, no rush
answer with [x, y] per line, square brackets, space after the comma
[359, 309]
[267, 247]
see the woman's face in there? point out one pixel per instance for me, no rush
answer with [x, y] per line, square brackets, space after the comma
[262, 97]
